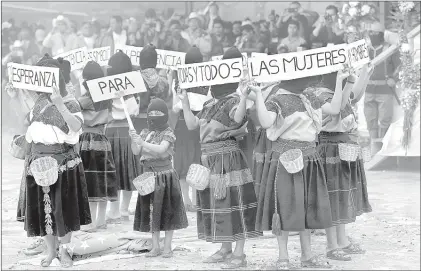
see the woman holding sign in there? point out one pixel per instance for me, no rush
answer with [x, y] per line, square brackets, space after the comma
[56, 193]
[117, 131]
[346, 181]
[293, 194]
[227, 207]
[95, 151]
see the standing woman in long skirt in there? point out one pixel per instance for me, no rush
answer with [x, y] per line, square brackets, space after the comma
[60, 206]
[95, 151]
[293, 201]
[117, 131]
[187, 145]
[227, 208]
[346, 181]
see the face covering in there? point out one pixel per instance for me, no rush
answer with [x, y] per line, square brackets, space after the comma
[376, 39]
[157, 115]
[221, 91]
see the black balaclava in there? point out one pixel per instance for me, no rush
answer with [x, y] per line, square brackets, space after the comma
[119, 63]
[158, 123]
[65, 67]
[221, 91]
[91, 71]
[194, 55]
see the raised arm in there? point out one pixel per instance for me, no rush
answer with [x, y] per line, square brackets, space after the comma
[265, 117]
[334, 107]
[192, 122]
[74, 122]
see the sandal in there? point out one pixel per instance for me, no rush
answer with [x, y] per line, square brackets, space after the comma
[283, 264]
[153, 253]
[169, 254]
[218, 257]
[235, 262]
[315, 262]
[66, 255]
[338, 255]
[353, 248]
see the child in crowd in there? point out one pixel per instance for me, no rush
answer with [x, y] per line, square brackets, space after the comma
[163, 209]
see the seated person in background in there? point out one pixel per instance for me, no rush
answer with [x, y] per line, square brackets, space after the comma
[293, 40]
[328, 29]
[282, 49]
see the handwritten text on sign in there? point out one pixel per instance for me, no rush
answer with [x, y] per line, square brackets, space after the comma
[105, 88]
[298, 65]
[244, 55]
[210, 73]
[358, 54]
[77, 58]
[100, 55]
[34, 78]
[165, 59]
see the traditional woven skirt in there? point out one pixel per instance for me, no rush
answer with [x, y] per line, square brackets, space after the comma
[163, 209]
[302, 198]
[126, 163]
[187, 148]
[98, 163]
[346, 181]
[22, 194]
[227, 208]
[261, 147]
[247, 143]
[68, 196]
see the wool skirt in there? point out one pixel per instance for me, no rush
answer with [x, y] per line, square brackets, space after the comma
[163, 209]
[300, 199]
[227, 208]
[68, 203]
[261, 147]
[187, 148]
[22, 195]
[126, 163]
[98, 163]
[346, 181]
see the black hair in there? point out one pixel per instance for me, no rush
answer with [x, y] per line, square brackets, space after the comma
[214, 4]
[236, 22]
[173, 22]
[296, 3]
[118, 18]
[218, 21]
[294, 22]
[335, 8]
[227, 25]
[150, 13]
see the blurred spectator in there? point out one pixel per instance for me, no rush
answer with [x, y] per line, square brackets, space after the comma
[219, 38]
[87, 36]
[273, 27]
[31, 52]
[328, 29]
[236, 29]
[194, 30]
[131, 39]
[60, 39]
[15, 55]
[228, 33]
[293, 40]
[151, 29]
[248, 43]
[282, 49]
[115, 36]
[294, 13]
[40, 34]
[174, 40]
[211, 13]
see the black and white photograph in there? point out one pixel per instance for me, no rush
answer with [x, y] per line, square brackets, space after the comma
[210, 135]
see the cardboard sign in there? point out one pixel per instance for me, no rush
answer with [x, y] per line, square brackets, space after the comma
[210, 73]
[35, 78]
[289, 66]
[245, 58]
[100, 55]
[258, 54]
[77, 58]
[358, 54]
[165, 59]
[105, 88]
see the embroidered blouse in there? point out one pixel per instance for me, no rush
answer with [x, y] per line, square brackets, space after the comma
[94, 114]
[302, 116]
[157, 137]
[216, 120]
[47, 126]
[344, 122]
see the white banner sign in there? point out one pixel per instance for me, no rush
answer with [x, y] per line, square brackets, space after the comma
[100, 55]
[245, 58]
[289, 66]
[210, 73]
[34, 78]
[105, 88]
[358, 54]
[165, 59]
[77, 58]
[258, 54]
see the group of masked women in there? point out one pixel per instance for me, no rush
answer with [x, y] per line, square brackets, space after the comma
[95, 157]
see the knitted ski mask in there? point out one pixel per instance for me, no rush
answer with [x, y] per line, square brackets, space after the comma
[221, 91]
[119, 63]
[157, 115]
[91, 71]
[148, 59]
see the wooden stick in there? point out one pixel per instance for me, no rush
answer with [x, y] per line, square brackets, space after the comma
[126, 112]
[385, 54]
[414, 32]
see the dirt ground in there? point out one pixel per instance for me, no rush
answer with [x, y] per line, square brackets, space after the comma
[390, 234]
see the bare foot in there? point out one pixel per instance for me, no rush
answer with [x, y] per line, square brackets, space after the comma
[155, 252]
[66, 260]
[48, 260]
